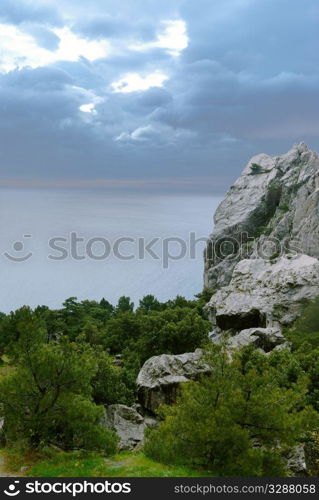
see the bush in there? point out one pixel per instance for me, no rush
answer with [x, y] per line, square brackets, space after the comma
[306, 328]
[309, 361]
[46, 399]
[172, 331]
[234, 421]
[109, 383]
[256, 169]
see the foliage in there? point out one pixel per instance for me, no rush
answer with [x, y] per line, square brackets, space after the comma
[284, 206]
[306, 328]
[109, 382]
[150, 303]
[308, 359]
[116, 329]
[234, 421]
[14, 324]
[47, 397]
[59, 365]
[309, 320]
[256, 169]
[263, 230]
[122, 330]
[124, 305]
[172, 331]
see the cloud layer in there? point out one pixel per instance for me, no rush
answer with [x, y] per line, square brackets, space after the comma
[171, 95]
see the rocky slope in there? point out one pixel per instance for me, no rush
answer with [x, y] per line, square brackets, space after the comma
[262, 257]
[262, 262]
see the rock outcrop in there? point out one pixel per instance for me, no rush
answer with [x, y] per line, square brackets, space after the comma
[262, 258]
[128, 424]
[273, 198]
[296, 464]
[265, 294]
[160, 377]
[264, 339]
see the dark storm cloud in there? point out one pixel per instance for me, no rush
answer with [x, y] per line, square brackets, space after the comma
[248, 82]
[267, 36]
[19, 11]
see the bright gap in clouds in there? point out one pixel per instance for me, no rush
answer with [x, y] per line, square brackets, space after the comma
[173, 38]
[20, 49]
[133, 82]
[88, 108]
[72, 47]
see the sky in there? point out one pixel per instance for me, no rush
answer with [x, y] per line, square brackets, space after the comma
[169, 96]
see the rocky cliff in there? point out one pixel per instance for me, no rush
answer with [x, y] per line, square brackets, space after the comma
[261, 262]
[262, 257]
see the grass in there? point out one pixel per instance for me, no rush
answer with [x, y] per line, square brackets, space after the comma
[53, 463]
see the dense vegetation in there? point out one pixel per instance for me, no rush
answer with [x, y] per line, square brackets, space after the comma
[253, 408]
[60, 367]
[66, 364]
[239, 420]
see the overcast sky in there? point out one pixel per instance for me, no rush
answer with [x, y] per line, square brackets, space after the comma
[169, 95]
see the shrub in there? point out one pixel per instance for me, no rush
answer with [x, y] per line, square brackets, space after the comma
[256, 169]
[306, 328]
[109, 382]
[172, 331]
[46, 399]
[233, 422]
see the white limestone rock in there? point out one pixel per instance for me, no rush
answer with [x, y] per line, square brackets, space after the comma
[265, 294]
[160, 377]
[296, 462]
[275, 198]
[128, 424]
[264, 339]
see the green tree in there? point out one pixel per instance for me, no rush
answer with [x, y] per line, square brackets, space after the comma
[150, 303]
[172, 331]
[109, 382]
[14, 324]
[46, 398]
[105, 304]
[179, 302]
[124, 305]
[121, 331]
[308, 358]
[306, 328]
[235, 421]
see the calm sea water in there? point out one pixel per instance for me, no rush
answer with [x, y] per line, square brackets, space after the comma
[37, 268]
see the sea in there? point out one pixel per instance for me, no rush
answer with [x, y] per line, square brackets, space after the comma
[59, 243]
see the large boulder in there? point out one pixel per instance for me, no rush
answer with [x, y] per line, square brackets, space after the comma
[127, 423]
[161, 376]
